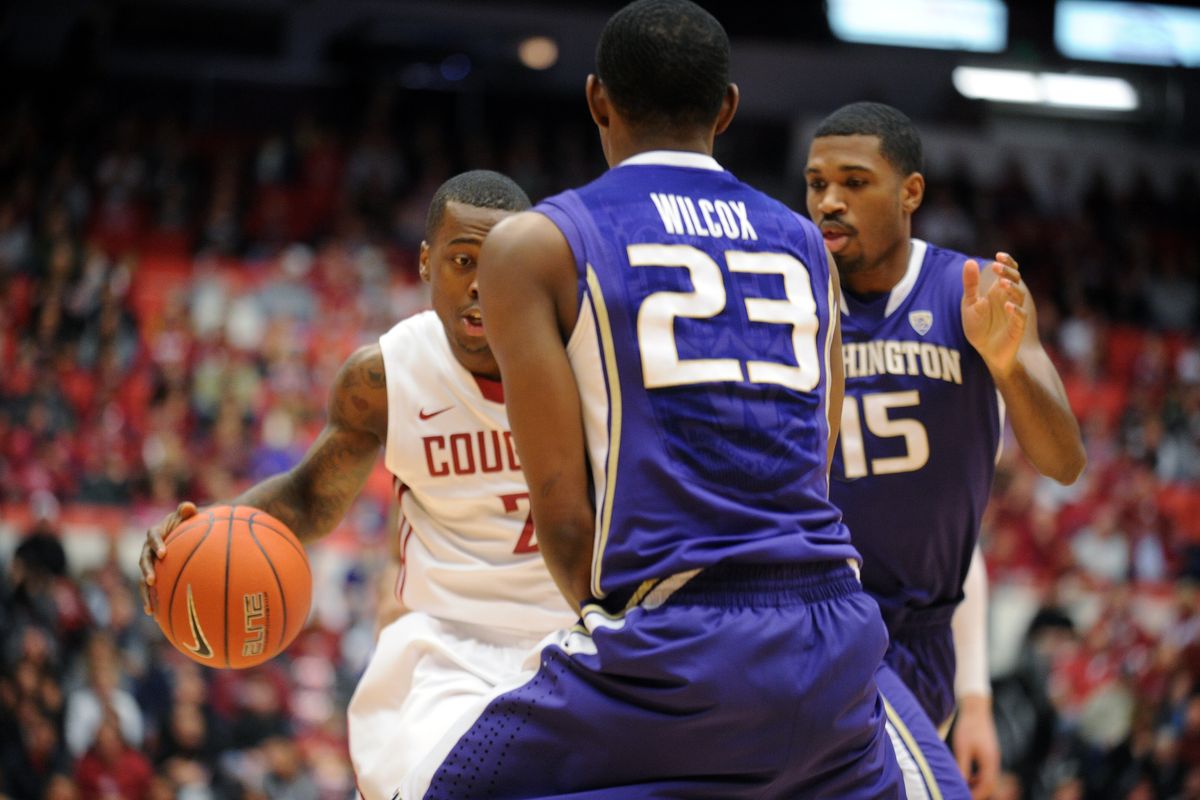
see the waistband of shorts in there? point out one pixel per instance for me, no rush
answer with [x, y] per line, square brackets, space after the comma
[734, 585]
[915, 621]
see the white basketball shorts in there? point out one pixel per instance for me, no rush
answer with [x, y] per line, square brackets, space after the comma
[425, 674]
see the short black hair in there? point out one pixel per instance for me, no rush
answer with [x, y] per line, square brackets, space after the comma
[481, 188]
[899, 141]
[665, 64]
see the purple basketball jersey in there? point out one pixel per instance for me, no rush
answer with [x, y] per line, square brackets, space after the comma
[705, 306]
[921, 425]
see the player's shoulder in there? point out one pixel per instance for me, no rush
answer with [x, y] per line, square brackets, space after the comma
[946, 260]
[367, 363]
[527, 248]
[359, 398]
[944, 265]
[414, 346]
[941, 258]
[524, 227]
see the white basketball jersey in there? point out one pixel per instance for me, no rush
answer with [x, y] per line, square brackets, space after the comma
[467, 544]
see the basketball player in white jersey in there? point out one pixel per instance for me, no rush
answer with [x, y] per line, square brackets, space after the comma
[478, 592]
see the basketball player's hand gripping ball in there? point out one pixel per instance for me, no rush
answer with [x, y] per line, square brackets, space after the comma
[234, 587]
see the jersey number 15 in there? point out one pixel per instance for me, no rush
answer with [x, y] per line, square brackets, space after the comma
[875, 412]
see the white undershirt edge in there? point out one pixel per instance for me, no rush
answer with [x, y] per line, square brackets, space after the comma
[673, 158]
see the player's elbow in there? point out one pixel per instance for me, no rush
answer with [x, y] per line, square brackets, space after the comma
[567, 546]
[1070, 468]
[568, 541]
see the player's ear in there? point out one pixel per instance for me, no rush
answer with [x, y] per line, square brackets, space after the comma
[729, 106]
[912, 192]
[423, 262]
[597, 100]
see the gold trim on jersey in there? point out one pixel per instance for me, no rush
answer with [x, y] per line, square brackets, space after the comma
[603, 327]
[596, 608]
[914, 749]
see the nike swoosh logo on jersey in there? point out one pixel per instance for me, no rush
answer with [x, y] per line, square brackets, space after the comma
[424, 416]
[201, 647]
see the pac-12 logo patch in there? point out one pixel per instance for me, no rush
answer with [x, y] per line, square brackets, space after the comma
[921, 321]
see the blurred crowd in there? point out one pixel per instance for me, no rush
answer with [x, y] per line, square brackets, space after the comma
[173, 307]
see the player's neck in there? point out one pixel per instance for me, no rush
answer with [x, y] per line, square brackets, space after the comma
[623, 147]
[882, 276]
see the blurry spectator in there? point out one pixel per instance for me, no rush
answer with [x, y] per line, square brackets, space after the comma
[16, 241]
[286, 777]
[40, 595]
[1165, 771]
[942, 220]
[524, 160]
[260, 712]
[1080, 338]
[1101, 549]
[1172, 298]
[1148, 557]
[187, 736]
[28, 769]
[62, 787]
[288, 295]
[111, 768]
[1106, 718]
[89, 706]
[280, 450]
[193, 780]
[221, 228]
[374, 172]
[111, 484]
[1068, 788]
[170, 178]
[1189, 736]
[161, 788]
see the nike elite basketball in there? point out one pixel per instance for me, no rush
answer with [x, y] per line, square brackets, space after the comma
[234, 588]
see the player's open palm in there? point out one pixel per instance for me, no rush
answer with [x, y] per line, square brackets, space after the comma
[994, 320]
[155, 547]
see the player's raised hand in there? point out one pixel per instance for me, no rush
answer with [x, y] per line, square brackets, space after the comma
[154, 547]
[994, 321]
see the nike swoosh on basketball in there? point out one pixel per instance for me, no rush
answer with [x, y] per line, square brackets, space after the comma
[423, 415]
[201, 647]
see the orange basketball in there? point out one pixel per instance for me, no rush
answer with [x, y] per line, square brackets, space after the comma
[234, 588]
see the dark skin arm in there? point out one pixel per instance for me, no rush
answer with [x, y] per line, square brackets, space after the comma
[836, 380]
[1000, 321]
[314, 496]
[528, 297]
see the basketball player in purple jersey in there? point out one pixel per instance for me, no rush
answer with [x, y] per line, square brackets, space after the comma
[667, 336]
[936, 350]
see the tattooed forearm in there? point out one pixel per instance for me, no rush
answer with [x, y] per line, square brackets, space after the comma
[312, 498]
[277, 496]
